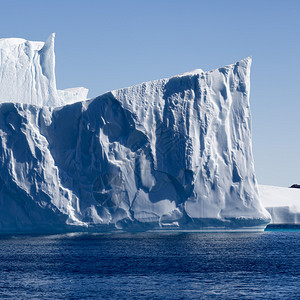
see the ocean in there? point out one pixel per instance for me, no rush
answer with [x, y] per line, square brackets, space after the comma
[262, 265]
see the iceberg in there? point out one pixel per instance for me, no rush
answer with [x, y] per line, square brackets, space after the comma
[27, 74]
[282, 203]
[169, 154]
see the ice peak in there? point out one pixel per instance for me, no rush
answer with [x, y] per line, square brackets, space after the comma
[246, 62]
[50, 41]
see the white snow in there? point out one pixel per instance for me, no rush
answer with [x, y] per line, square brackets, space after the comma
[282, 203]
[27, 74]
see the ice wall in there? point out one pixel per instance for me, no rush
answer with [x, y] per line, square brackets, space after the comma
[27, 74]
[167, 154]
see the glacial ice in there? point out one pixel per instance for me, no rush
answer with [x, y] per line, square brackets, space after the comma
[169, 154]
[27, 74]
[282, 203]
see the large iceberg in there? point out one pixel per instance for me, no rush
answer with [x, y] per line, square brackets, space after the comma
[27, 74]
[169, 154]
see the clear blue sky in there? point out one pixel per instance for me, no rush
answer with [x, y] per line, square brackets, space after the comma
[105, 45]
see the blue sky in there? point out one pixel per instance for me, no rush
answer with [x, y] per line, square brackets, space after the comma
[105, 45]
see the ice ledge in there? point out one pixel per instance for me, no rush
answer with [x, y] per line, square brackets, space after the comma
[72, 95]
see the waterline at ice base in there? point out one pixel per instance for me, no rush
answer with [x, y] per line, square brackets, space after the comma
[169, 154]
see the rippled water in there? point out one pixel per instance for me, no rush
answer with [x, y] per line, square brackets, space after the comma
[151, 265]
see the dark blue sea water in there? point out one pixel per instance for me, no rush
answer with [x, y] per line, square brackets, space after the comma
[262, 265]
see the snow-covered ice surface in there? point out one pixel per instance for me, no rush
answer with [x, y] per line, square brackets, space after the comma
[282, 203]
[167, 154]
[27, 74]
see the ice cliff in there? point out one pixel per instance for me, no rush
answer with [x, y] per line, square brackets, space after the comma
[27, 74]
[167, 154]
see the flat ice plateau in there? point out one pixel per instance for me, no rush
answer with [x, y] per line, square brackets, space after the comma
[169, 154]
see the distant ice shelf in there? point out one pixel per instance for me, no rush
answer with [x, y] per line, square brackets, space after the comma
[282, 203]
[169, 154]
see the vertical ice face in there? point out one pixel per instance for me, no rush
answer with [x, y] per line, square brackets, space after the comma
[27, 73]
[172, 153]
[199, 129]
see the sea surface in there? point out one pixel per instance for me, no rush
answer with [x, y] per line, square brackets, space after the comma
[263, 265]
